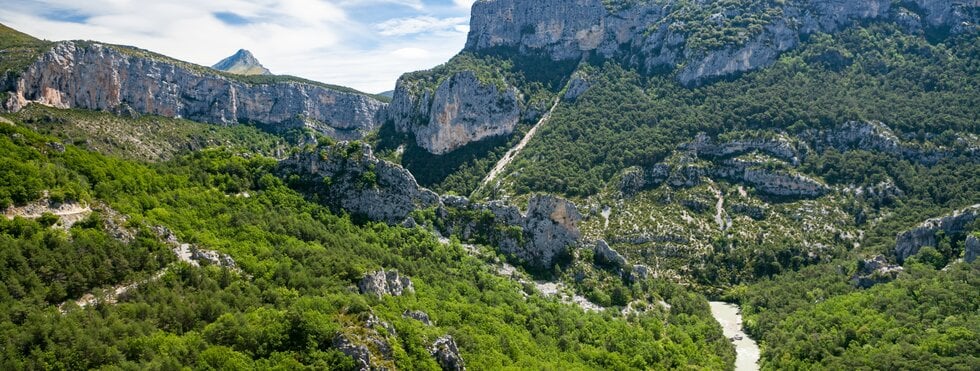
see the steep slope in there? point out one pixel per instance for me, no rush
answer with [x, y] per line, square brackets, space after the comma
[693, 42]
[242, 63]
[310, 288]
[119, 79]
[726, 144]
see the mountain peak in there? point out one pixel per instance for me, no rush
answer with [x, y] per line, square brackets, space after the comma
[242, 63]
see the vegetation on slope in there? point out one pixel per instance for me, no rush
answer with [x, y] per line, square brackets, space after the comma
[293, 296]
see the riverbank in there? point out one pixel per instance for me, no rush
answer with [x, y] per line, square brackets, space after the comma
[746, 350]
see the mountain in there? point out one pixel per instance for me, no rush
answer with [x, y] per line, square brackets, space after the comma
[122, 79]
[242, 63]
[567, 192]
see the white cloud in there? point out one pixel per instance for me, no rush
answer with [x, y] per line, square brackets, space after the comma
[415, 25]
[314, 39]
[464, 3]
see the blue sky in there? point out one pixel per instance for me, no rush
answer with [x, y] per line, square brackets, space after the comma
[364, 44]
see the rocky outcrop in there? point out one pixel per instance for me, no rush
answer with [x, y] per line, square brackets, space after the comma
[242, 63]
[908, 243]
[385, 283]
[367, 343]
[778, 146]
[956, 15]
[971, 248]
[876, 136]
[120, 79]
[446, 353]
[192, 254]
[577, 86]
[538, 238]
[461, 110]
[657, 35]
[348, 176]
[873, 271]
[771, 182]
[606, 255]
[418, 316]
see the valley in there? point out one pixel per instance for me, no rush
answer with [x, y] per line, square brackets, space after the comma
[597, 184]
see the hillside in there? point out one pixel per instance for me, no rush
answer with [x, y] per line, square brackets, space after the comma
[568, 192]
[845, 124]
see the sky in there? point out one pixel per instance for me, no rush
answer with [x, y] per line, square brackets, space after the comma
[363, 44]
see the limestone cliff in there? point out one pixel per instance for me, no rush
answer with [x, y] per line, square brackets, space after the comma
[460, 110]
[676, 35]
[112, 78]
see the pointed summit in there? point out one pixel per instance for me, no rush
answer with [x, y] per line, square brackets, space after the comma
[242, 63]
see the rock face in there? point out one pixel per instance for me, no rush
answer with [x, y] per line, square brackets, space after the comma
[242, 63]
[771, 182]
[780, 147]
[447, 354]
[538, 238]
[606, 255]
[109, 78]
[657, 35]
[877, 137]
[381, 283]
[348, 176]
[972, 248]
[874, 271]
[461, 110]
[908, 243]
[959, 15]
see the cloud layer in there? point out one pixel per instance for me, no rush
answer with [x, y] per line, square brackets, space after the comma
[364, 44]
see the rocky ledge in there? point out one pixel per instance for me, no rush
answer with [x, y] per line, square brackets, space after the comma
[120, 79]
[955, 224]
[347, 176]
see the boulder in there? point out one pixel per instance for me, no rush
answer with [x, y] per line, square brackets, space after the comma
[418, 316]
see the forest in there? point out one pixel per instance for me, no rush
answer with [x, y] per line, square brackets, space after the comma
[291, 295]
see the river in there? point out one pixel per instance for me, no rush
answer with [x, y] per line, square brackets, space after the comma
[746, 349]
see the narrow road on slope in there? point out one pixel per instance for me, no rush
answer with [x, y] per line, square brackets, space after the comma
[513, 152]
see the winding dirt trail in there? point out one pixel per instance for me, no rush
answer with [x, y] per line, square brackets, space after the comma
[513, 152]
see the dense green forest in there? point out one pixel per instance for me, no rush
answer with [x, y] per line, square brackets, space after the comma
[292, 295]
[625, 119]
